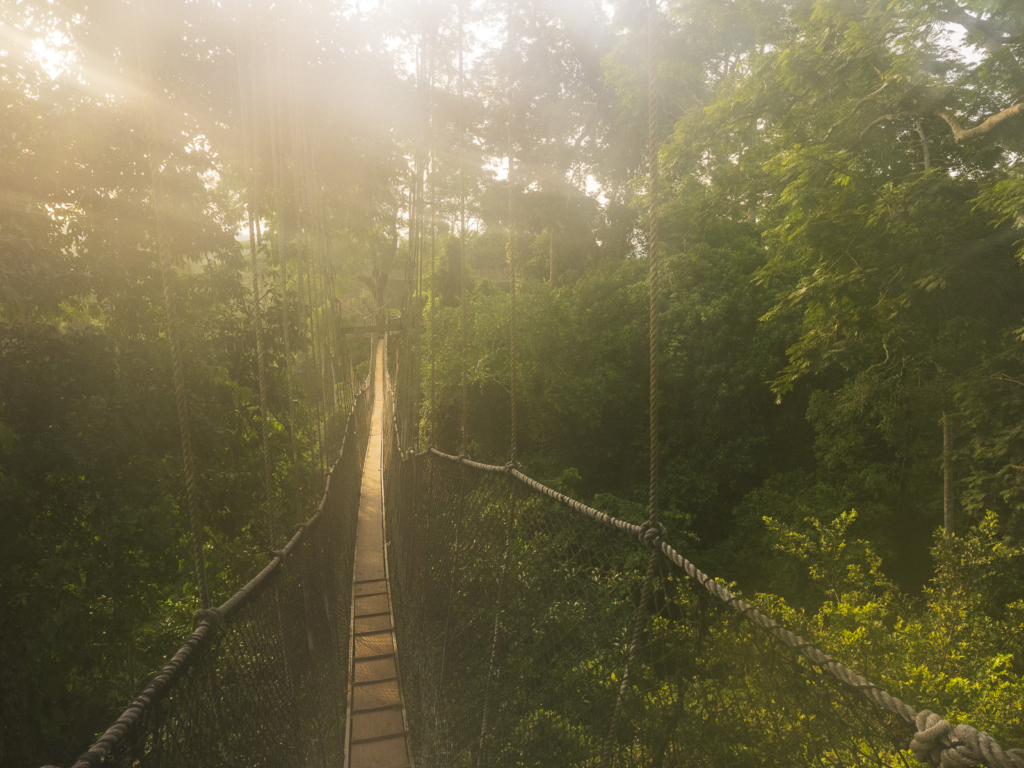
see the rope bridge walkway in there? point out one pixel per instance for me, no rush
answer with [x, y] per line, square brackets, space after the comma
[438, 611]
[263, 678]
[516, 606]
[511, 608]
[377, 737]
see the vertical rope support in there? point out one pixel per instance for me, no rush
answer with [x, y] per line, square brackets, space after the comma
[303, 278]
[324, 305]
[281, 245]
[433, 320]
[422, 158]
[492, 667]
[513, 375]
[314, 254]
[463, 298]
[463, 341]
[250, 151]
[431, 159]
[650, 538]
[171, 308]
[298, 246]
[654, 243]
[512, 250]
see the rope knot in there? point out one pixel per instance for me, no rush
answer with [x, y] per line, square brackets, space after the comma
[931, 739]
[652, 533]
[513, 465]
[211, 616]
[278, 554]
[946, 746]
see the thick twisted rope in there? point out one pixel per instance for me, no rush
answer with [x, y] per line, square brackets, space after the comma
[208, 620]
[171, 309]
[655, 326]
[247, 102]
[936, 740]
[156, 690]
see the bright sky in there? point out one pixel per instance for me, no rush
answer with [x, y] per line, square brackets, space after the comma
[57, 56]
[53, 53]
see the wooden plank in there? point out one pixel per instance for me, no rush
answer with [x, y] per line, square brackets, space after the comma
[367, 671]
[374, 645]
[386, 753]
[377, 729]
[370, 328]
[375, 696]
[372, 725]
[371, 587]
[373, 623]
[367, 604]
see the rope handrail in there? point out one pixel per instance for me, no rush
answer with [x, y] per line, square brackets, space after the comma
[936, 740]
[599, 516]
[207, 622]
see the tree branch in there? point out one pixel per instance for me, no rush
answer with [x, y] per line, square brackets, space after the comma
[873, 123]
[858, 105]
[995, 37]
[1004, 377]
[924, 146]
[961, 134]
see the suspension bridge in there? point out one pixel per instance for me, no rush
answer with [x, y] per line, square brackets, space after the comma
[438, 611]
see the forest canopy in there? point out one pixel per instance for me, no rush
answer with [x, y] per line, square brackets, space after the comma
[841, 196]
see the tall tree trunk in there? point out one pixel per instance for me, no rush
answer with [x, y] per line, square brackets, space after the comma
[947, 476]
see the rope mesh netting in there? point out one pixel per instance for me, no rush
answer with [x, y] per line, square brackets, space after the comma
[263, 679]
[707, 685]
[514, 609]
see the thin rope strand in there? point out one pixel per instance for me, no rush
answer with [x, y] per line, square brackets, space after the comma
[250, 151]
[640, 620]
[463, 298]
[171, 309]
[281, 244]
[512, 251]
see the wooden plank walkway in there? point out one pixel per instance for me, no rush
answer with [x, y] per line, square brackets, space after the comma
[377, 726]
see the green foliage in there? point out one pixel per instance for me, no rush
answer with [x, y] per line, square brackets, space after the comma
[955, 650]
[842, 274]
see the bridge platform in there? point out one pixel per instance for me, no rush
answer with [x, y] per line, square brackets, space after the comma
[377, 729]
